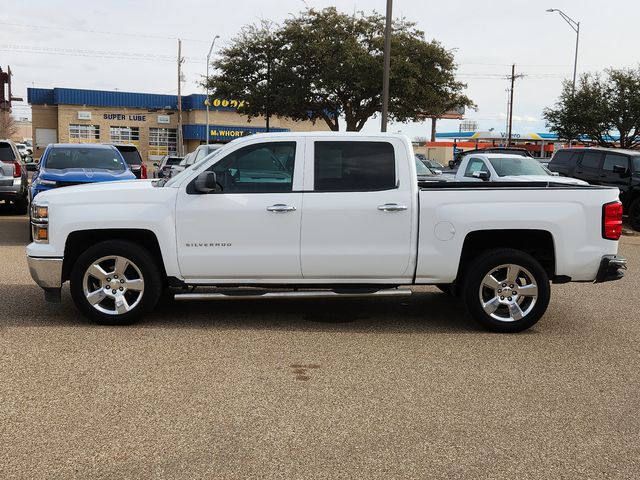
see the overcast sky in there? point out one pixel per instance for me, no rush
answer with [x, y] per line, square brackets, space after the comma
[131, 46]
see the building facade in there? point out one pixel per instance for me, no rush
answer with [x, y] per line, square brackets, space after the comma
[149, 121]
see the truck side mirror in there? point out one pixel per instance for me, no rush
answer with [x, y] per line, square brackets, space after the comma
[484, 176]
[619, 169]
[206, 182]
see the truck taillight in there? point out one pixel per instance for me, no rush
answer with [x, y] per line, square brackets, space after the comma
[143, 171]
[17, 169]
[612, 220]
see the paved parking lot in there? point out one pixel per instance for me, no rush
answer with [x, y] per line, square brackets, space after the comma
[372, 388]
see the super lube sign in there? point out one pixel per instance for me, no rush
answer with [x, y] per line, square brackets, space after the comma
[122, 116]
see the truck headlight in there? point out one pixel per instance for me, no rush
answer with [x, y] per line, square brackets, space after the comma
[40, 223]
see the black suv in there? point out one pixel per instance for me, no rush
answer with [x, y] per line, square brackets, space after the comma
[134, 160]
[604, 166]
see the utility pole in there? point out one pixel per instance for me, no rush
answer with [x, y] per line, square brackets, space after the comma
[510, 114]
[179, 135]
[513, 79]
[387, 67]
[267, 113]
[207, 101]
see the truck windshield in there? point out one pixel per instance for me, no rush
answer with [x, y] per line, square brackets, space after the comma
[105, 159]
[506, 166]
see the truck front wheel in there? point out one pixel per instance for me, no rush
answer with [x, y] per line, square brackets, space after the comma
[506, 290]
[115, 282]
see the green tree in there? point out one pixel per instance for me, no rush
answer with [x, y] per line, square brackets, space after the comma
[601, 106]
[326, 65]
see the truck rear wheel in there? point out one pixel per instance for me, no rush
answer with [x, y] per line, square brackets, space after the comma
[115, 282]
[506, 290]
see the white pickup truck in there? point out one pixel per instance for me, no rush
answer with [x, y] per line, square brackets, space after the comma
[321, 215]
[505, 167]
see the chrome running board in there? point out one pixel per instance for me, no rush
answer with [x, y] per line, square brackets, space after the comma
[388, 292]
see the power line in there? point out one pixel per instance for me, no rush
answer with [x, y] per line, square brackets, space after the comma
[82, 30]
[96, 53]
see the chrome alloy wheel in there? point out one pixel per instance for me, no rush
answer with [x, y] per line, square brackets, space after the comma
[113, 285]
[508, 293]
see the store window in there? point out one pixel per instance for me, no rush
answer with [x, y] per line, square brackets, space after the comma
[125, 135]
[84, 133]
[163, 141]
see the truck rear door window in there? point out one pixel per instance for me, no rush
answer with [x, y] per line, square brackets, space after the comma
[354, 166]
[591, 160]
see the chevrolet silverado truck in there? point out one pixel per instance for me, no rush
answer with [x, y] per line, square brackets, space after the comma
[323, 215]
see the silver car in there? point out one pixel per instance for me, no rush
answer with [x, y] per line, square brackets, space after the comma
[14, 188]
[194, 157]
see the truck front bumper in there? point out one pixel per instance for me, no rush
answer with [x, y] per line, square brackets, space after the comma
[611, 268]
[47, 272]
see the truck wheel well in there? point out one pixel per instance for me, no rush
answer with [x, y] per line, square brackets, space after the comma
[79, 241]
[537, 243]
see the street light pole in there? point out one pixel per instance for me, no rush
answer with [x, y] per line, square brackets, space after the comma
[207, 102]
[576, 28]
[387, 67]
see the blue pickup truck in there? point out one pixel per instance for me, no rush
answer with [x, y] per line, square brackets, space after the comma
[64, 165]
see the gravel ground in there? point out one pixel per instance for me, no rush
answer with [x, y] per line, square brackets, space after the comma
[371, 388]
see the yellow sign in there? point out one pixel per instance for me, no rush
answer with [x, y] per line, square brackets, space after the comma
[224, 103]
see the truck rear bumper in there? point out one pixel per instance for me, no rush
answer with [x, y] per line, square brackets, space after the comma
[611, 268]
[46, 271]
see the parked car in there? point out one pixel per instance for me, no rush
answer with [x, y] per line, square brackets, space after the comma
[27, 155]
[522, 152]
[65, 165]
[321, 215]
[605, 166]
[133, 158]
[432, 164]
[14, 187]
[23, 150]
[194, 157]
[426, 174]
[497, 167]
[163, 168]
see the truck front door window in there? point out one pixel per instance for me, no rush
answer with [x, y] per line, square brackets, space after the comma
[475, 165]
[260, 168]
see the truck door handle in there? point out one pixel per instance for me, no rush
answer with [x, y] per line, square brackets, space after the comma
[392, 207]
[281, 208]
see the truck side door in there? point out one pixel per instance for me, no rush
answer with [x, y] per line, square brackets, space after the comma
[250, 229]
[616, 179]
[588, 167]
[474, 164]
[358, 211]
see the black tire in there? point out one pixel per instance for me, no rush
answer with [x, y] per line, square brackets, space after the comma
[21, 206]
[144, 267]
[507, 322]
[634, 214]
